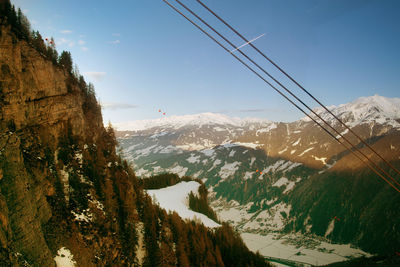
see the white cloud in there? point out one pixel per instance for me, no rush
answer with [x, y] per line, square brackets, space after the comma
[25, 11]
[62, 41]
[95, 75]
[116, 34]
[115, 42]
[67, 42]
[66, 31]
[115, 106]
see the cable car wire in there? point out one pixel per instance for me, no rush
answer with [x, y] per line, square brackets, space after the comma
[301, 87]
[286, 89]
[282, 94]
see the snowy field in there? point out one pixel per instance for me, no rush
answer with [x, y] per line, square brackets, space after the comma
[288, 247]
[175, 198]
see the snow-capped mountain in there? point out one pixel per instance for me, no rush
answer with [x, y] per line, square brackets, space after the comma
[272, 177]
[198, 120]
[300, 141]
[373, 109]
[192, 132]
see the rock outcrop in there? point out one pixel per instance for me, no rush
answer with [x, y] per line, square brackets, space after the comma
[41, 107]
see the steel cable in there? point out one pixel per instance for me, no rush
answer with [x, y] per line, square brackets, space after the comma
[302, 88]
[282, 94]
[287, 90]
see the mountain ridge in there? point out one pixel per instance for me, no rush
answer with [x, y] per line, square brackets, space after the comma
[364, 110]
[301, 141]
[359, 110]
[186, 120]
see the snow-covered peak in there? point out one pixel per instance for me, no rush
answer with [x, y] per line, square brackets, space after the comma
[375, 108]
[199, 120]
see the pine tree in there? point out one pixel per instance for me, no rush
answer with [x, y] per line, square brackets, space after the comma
[82, 83]
[65, 60]
[5, 7]
[75, 71]
[51, 51]
[38, 43]
[19, 23]
[12, 17]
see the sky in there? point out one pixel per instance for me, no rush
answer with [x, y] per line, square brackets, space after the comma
[143, 57]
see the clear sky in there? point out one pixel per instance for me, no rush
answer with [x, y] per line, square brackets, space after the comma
[142, 56]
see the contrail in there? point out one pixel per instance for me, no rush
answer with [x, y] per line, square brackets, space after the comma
[252, 40]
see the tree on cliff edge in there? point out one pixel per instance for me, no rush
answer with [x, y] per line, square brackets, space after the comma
[65, 60]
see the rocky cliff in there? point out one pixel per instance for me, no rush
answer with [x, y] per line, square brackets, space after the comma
[50, 130]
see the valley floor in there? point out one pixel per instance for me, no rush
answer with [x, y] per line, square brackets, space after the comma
[261, 232]
[290, 247]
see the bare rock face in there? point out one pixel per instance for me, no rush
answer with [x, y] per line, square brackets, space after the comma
[25, 202]
[41, 104]
[27, 93]
[34, 91]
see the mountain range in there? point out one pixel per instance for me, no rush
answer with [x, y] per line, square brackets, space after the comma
[283, 177]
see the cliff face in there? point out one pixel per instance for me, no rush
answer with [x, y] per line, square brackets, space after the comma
[61, 182]
[40, 106]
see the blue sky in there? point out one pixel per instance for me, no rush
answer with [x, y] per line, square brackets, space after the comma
[141, 56]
